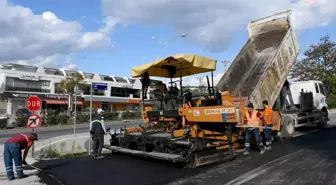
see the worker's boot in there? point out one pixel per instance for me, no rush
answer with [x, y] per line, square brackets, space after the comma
[22, 176]
[11, 178]
[262, 149]
[246, 151]
[100, 157]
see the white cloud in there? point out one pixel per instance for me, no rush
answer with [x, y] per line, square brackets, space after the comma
[42, 39]
[53, 61]
[211, 24]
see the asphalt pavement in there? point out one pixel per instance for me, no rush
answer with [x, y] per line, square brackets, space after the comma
[306, 159]
[45, 133]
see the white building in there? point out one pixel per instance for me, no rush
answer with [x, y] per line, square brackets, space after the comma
[20, 81]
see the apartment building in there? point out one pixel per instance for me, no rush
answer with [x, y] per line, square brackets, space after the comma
[20, 81]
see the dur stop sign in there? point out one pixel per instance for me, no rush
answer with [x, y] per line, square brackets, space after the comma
[33, 103]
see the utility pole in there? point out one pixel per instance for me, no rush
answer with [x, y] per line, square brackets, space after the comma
[225, 62]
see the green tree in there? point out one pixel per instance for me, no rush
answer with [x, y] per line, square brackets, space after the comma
[318, 64]
[67, 86]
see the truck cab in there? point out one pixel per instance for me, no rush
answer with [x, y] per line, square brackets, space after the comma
[317, 89]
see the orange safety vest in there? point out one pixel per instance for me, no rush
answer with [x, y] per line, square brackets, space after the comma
[253, 120]
[268, 111]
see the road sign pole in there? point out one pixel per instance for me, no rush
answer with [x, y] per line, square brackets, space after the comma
[33, 146]
[91, 89]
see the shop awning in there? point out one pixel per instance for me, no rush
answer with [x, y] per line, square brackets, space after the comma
[134, 101]
[61, 102]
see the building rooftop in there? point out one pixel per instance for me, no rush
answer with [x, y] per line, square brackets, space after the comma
[62, 72]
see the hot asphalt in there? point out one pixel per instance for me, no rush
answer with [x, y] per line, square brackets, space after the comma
[307, 159]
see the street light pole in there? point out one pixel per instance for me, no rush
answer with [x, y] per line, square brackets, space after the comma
[225, 62]
[75, 101]
[90, 117]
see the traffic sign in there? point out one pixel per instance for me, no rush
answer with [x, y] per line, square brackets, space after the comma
[33, 103]
[34, 121]
[99, 86]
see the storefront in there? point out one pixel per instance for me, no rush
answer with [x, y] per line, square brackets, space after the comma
[58, 102]
[111, 104]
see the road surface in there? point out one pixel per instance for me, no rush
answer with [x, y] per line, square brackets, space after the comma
[308, 158]
[54, 132]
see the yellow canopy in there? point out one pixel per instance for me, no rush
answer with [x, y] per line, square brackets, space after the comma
[189, 64]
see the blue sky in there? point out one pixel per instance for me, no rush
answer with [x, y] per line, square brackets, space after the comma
[133, 43]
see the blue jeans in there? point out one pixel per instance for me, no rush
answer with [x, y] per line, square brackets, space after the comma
[268, 134]
[248, 135]
[12, 151]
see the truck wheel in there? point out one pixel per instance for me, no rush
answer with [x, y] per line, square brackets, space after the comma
[287, 127]
[323, 120]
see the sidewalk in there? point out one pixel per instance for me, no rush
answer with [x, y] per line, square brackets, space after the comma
[31, 180]
[61, 127]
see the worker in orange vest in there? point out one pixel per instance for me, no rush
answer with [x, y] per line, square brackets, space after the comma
[252, 119]
[268, 129]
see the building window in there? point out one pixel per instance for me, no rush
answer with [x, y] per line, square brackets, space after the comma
[16, 84]
[108, 78]
[125, 92]
[132, 81]
[86, 91]
[120, 79]
[321, 89]
[316, 88]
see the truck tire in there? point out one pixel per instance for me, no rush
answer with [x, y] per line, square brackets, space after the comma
[287, 127]
[323, 120]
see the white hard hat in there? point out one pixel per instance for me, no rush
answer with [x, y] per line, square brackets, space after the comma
[99, 111]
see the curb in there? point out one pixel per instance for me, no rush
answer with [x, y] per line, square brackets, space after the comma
[63, 127]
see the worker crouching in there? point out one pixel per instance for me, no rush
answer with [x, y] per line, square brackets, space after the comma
[12, 150]
[252, 119]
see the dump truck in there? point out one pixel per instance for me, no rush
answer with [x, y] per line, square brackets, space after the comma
[197, 130]
[260, 71]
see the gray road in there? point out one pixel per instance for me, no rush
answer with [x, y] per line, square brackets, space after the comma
[308, 158]
[54, 132]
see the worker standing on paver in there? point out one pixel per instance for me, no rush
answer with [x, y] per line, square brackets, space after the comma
[252, 119]
[268, 129]
[12, 150]
[98, 130]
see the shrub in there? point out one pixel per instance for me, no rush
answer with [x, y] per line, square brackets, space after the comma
[111, 115]
[131, 115]
[62, 119]
[21, 121]
[48, 152]
[331, 100]
[82, 118]
[3, 123]
[50, 120]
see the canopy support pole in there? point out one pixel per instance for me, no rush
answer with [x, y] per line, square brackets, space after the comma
[181, 92]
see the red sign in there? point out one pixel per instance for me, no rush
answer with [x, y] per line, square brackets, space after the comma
[33, 103]
[34, 121]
